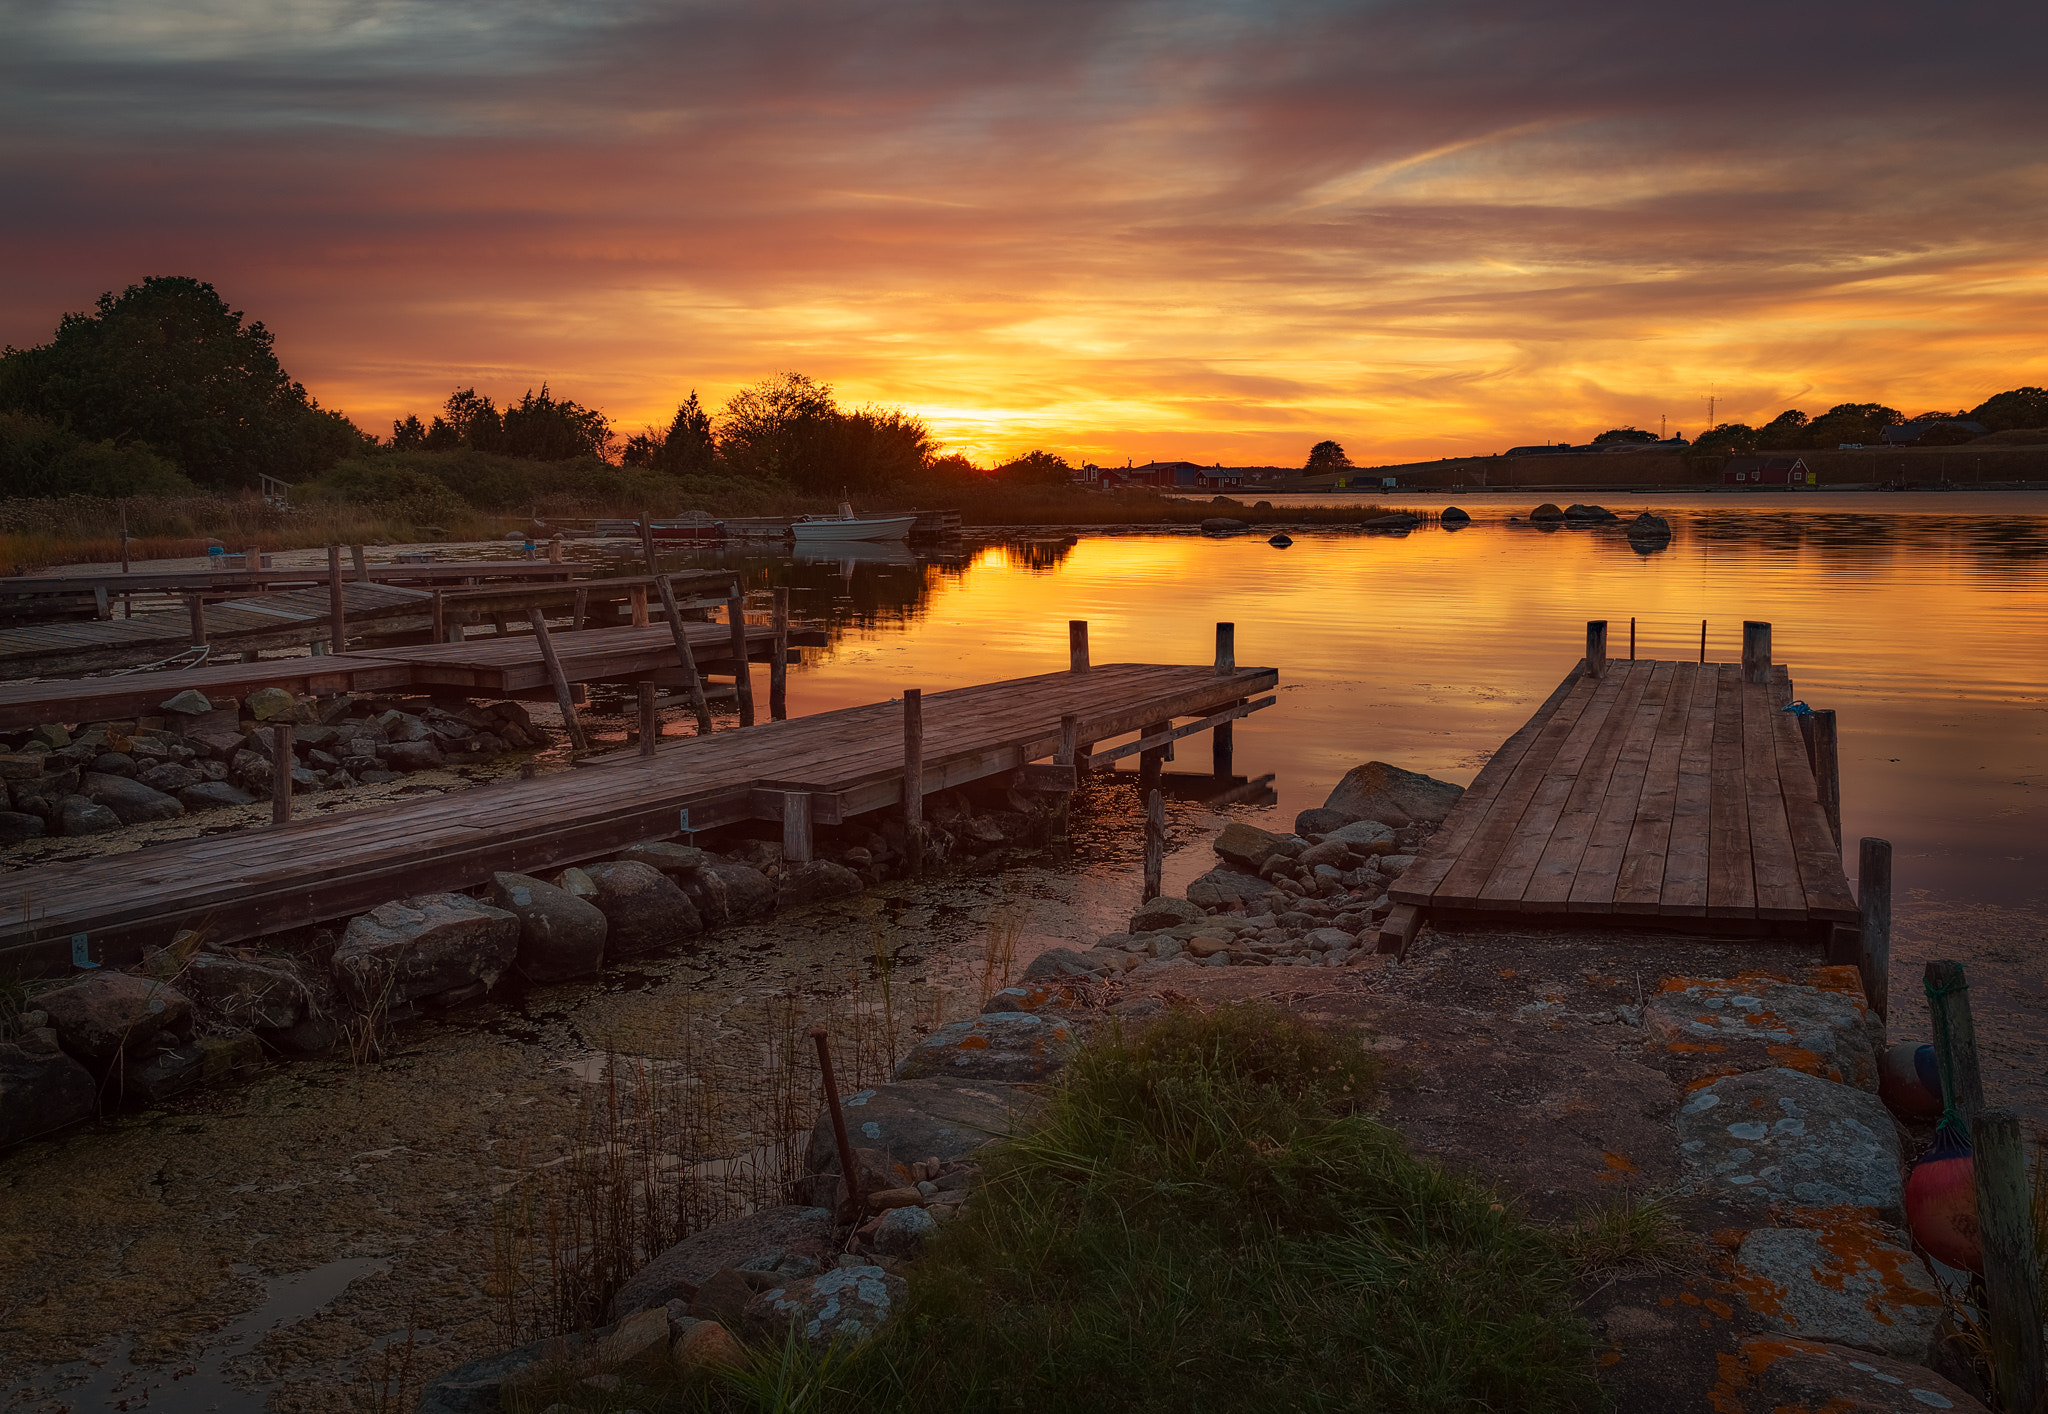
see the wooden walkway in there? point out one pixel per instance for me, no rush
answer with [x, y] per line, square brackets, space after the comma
[241, 885]
[1657, 793]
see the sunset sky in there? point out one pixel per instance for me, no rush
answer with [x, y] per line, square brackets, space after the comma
[1203, 230]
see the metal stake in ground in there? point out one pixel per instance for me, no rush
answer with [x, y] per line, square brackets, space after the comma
[2012, 1276]
[849, 1171]
[692, 683]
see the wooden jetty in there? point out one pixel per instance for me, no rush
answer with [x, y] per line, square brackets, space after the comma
[818, 770]
[1646, 793]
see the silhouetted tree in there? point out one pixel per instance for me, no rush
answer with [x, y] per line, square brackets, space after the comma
[2017, 407]
[1324, 456]
[1786, 430]
[1729, 439]
[1624, 434]
[790, 429]
[1036, 468]
[408, 434]
[688, 445]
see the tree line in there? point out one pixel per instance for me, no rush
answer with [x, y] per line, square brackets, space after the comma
[1864, 423]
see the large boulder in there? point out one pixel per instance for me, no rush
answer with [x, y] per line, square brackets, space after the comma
[1363, 837]
[169, 777]
[244, 993]
[1392, 796]
[724, 890]
[110, 1013]
[1320, 821]
[189, 703]
[762, 1241]
[213, 795]
[643, 906]
[816, 882]
[560, 935]
[1549, 510]
[1785, 1136]
[1649, 527]
[40, 1090]
[1000, 1046]
[1770, 1374]
[668, 858]
[274, 704]
[1164, 912]
[16, 826]
[1248, 847]
[410, 756]
[1059, 964]
[846, 1305]
[910, 1120]
[417, 947]
[78, 816]
[1758, 1020]
[1841, 1276]
[1227, 888]
[130, 800]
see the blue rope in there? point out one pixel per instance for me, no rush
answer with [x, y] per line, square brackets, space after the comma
[1797, 709]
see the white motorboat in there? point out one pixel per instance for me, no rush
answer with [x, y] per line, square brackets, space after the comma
[846, 526]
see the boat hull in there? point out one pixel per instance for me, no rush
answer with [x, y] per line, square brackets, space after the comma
[841, 532]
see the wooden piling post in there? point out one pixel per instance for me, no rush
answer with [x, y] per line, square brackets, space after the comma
[647, 545]
[1756, 652]
[849, 1169]
[195, 605]
[564, 698]
[123, 509]
[440, 613]
[637, 597]
[1150, 762]
[1070, 744]
[796, 827]
[1077, 645]
[361, 562]
[1631, 638]
[650, 720]
[1703, 640]
[778, 662]
[1155, 844]
[1827, 768]
[913, 779]
[580, 611]
[281, 773]
[742, 670]
[2012, 1274]
[252, 558]
[1955, 1038]
[1874, 901]
[337, 617]
[1226, 650]
[692, 683]
[1596, 648]
[1222, 748]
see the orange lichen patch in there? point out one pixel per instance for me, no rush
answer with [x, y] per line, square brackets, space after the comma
[1610, 1357]
[1722, 984]
[1688, 1298]
[1507, 972]
[1857, 1242]
[1719, 1308]
[972, 1043]
[1728, 1236]
[1739, 1371]
[1619, 1162]
[1688, 1048]
[1846, 980]
[1806, 1061]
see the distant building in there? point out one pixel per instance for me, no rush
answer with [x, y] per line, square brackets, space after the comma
[1767, 471]
[1183, 476]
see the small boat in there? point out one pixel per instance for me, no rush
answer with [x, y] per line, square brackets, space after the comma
[846, 526]
[689, 527]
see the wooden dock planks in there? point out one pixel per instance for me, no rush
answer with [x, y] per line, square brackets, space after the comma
[330, 866]
[1660, 790]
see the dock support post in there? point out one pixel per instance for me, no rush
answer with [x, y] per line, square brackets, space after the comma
[647, 544]
[440, 619]
[778, 665]
[1155, 844]
[1874, 900]
[650, 720]
[580, 610]
[2012, 1275]
[1955, 1038]
[796, 827]
[1631, 638]
[1222, 747]
[1756, 652]
[195, 604]
[742, 670]
[1150, 762]
[1827, 768]
[1077, 645]
[692, 683]
[337, 619]
[563, 696]
[1226, 650]
[913, 779]
[1596, 648]
[281, 774]
[1070, 745]
[123, 509]
[1703, 640]
[361, 563]
[637, 597]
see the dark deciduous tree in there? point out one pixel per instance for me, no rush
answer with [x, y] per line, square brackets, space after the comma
[1785, 431]
[2016, 407]
[168, 365]
[1326, 456]
[688, 446]
[1036, 468]
[1729, 439]
[789, 429]
[1624, 434]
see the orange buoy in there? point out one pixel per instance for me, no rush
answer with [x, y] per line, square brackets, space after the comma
[1941, 1201]
[1909, 1081]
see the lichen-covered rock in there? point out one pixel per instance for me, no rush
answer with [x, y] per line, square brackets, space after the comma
[243, 993]
[1320, 821]
[761, 1241]
[1248, 847]
[1774, 1375]
[560, 935]
[130, 800]
[1038, 995]
[109, 1013]
[815, 882]
[1772, 1135]
[910, 1120]
[1227, 888]
[40, 1091]
[169, 777]
[902, 1231]
[213, 795]
[1839, 1275]
[1761, 1019]
[1164, 912]
[399, 952]
[1004, 1047]
[668, 858]
[643, 907]
[1056, 963]
[1392, 796]
[846, 1305]
[274, 704]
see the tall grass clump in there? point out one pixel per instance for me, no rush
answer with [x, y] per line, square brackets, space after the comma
[1203, 1220]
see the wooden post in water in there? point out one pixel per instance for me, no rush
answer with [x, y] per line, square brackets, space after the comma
[778, 662]
[581, 609]
[1827, 768]
[564, 698]
[124, 536]
[1874, 900]
[1703, 640]
[337, 618]
[1155, 844]
[2012, 1273]
[650, 720]
[1955, 1038]
[1596, 648]
[440, 613]
[1070, 743]
[1077, 645]
[637, 597]
[692, 683]
[195, 605]
[1226, 650]
[1631, 638]
[647, 545]
[796, 827]
[361, 562]
[913, 779]
[742, 670]
[1756, 652]
[281, 773]
[1222, 747]
[1152, 760]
